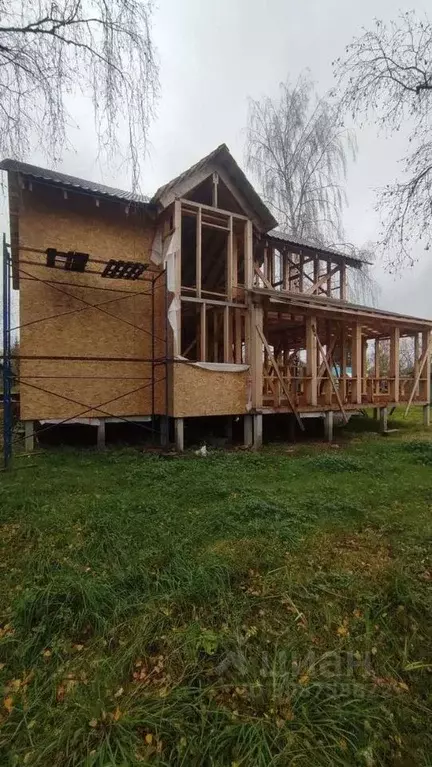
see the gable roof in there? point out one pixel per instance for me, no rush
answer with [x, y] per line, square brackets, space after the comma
[222, 161]
[63, 180]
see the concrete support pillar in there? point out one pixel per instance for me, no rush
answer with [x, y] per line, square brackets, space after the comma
[179, 434]
[248, 430]
[101, 435]
[164, 430]
[257, 431]
[328, 425]
[383, 419]
[375, 414]
[29, 440]
[426, 415]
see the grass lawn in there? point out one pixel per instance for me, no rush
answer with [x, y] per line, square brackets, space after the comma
[236, 610]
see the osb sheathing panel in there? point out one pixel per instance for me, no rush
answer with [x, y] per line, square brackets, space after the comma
[48, 220]
[200, 392]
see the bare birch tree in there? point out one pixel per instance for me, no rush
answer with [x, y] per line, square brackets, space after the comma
[52, 50]
[386, 75]
[297, 149]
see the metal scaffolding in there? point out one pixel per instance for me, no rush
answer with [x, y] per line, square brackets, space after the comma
[124, 271]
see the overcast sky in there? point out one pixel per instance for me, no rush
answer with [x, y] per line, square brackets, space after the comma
[213, 56]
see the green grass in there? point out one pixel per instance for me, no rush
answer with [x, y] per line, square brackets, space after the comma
[240, 609]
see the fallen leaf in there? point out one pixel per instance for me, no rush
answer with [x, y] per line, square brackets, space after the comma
[304, 679]
[117, 714]
[47, 653]
[93, 722]
[342, 631]
[8, 703]
[149, 738]
[119, 692]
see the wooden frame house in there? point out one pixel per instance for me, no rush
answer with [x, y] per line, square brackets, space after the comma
[207, 309]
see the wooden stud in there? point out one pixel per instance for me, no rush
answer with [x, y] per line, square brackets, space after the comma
[416, 360]
[343, 363]
[301, 272]
[427, 345]
[343, 281]
[248, 255]
[356, 362]
[377, 366]
[215, 179]
[311, 362]
[394, 364]
[364, 364]
[256, 359]
[230, 249]
[329, 277]
[238, 316]
[198, 253]
[203, 332]
[227, 335]
[177, 276]
[426, 415]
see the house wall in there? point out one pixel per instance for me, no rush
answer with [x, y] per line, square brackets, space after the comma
[200, 392]
[47, 219]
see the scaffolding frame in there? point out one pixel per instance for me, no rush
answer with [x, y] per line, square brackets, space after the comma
[152, 278]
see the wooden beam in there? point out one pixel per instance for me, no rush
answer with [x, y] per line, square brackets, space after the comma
[262, 277]
[416, 359]
[324, 278]
[394, 364]
[215, 180]
[425, 361]
[280, 377]
[177, 277]
[248, 256]
[198, 253]
[311, 362]
[377, 366]
[203, 332]
[356, 362]
[229, 272]
[227, 335]
[329, 353]
[329, 373]
[343, 281]
[256, 355]
[343, 362]
[238, 316]
[329, 276]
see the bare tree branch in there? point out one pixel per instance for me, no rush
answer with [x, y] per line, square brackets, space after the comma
[386, 75]
[100, 48]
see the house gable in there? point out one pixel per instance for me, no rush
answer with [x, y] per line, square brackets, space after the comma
[235, 189]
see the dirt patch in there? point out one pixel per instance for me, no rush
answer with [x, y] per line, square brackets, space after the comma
[365, 553]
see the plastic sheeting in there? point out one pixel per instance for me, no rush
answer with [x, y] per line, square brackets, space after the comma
[220, 367]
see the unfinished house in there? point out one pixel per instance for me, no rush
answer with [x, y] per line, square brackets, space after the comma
[190, 304]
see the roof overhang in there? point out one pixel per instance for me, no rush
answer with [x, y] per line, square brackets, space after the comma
[303, 247]
[337, 309]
